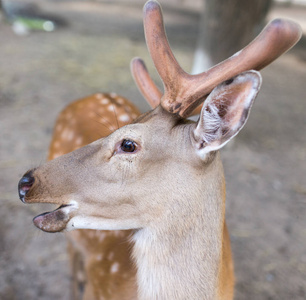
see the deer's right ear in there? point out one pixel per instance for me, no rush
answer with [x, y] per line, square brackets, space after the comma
[225, 112]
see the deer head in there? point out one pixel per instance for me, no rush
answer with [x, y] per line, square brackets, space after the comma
[136, 161]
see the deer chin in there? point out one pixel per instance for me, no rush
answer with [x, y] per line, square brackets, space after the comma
[56, 220]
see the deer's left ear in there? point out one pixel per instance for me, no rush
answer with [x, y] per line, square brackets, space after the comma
[225, 112]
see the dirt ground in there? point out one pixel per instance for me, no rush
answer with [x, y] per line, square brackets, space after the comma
[265, 167]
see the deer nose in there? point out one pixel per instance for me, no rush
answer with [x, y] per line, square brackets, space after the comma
[24, 185]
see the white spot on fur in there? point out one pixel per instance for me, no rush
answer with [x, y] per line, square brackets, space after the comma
[113, 95]
[124, 118]
[111, 108]
[104, 101]
[114, 267]
[65, 134]
[79, 140]
[70, 135]
[120, 100]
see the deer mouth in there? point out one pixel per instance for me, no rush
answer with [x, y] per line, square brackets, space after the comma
[56, 220]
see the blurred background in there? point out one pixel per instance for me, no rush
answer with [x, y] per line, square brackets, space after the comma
[54, 51]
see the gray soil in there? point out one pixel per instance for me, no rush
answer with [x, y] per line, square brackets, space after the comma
[265, 166]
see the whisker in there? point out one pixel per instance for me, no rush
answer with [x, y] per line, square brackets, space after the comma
[106, 121]
[115, 115]
[109, 128]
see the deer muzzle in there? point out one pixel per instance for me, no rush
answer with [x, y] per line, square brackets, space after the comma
[54, 221]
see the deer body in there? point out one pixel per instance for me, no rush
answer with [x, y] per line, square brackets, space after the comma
[198, 248]
[159, 177]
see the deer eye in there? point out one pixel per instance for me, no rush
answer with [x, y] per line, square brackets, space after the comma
[128, 146]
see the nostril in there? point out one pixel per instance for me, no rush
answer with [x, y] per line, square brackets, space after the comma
[25, 184]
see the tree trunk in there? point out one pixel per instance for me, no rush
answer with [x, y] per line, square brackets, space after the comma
[227, 26]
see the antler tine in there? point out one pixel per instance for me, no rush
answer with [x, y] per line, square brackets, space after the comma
[145, 83]
[167, 67]
[184, 92]
[275, 39]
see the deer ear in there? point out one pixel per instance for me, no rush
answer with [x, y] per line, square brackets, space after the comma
[225, 111]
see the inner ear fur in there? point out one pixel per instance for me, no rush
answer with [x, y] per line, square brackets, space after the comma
[225, 111]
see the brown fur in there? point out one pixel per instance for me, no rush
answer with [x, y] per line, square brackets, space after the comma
[93, 252]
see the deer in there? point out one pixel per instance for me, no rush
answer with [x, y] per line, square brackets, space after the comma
[144, 205]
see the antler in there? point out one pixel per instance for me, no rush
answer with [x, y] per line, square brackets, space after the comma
[144, 82]
[184, 92]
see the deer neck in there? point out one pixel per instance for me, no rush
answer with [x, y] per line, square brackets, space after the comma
[180, 257]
